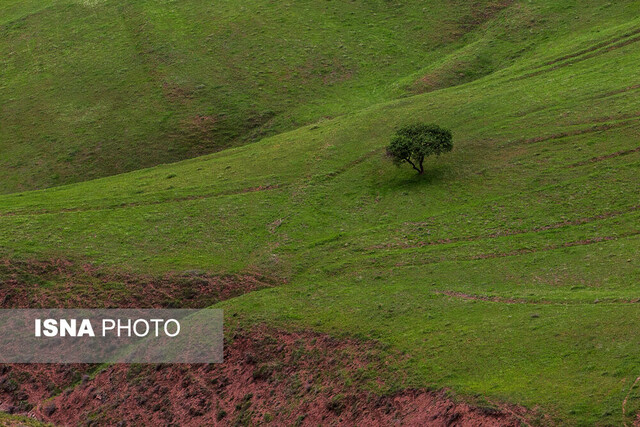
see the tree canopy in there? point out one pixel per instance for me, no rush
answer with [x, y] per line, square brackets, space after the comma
[411, 144]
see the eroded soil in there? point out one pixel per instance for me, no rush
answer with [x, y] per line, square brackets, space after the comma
[269, 375]
[284, 378]
[59, 283]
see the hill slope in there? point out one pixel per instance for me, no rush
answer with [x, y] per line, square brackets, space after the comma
[509, 271]
[94, 88]
[100, 87]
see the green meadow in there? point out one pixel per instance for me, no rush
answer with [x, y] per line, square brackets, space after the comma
[94, 88]
[508, 272]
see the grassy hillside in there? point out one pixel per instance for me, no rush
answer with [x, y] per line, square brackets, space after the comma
[509, 270]
[100, 87]
[94, 88]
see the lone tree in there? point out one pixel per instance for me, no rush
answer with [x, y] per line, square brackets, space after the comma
[413, 143]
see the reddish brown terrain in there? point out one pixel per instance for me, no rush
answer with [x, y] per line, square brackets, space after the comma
[269, 376]
[285, 378]
[59, 283]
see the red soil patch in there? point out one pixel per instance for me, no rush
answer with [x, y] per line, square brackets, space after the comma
[22, 386]
[59, 284]
[286, 378]
[268, 376]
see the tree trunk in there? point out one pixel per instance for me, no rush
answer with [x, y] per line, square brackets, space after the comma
[414, 166]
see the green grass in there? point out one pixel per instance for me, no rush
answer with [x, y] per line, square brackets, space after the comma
[99, 87]
[528, 207]
[19, 421]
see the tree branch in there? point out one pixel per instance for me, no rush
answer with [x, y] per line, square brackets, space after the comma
[412, 165]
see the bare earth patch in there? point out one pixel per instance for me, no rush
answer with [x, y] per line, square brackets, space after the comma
[58, 283]
[285, 378]
[275, 376]
[22, 386]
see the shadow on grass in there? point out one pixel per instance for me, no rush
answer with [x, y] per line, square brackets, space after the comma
[408, 180]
